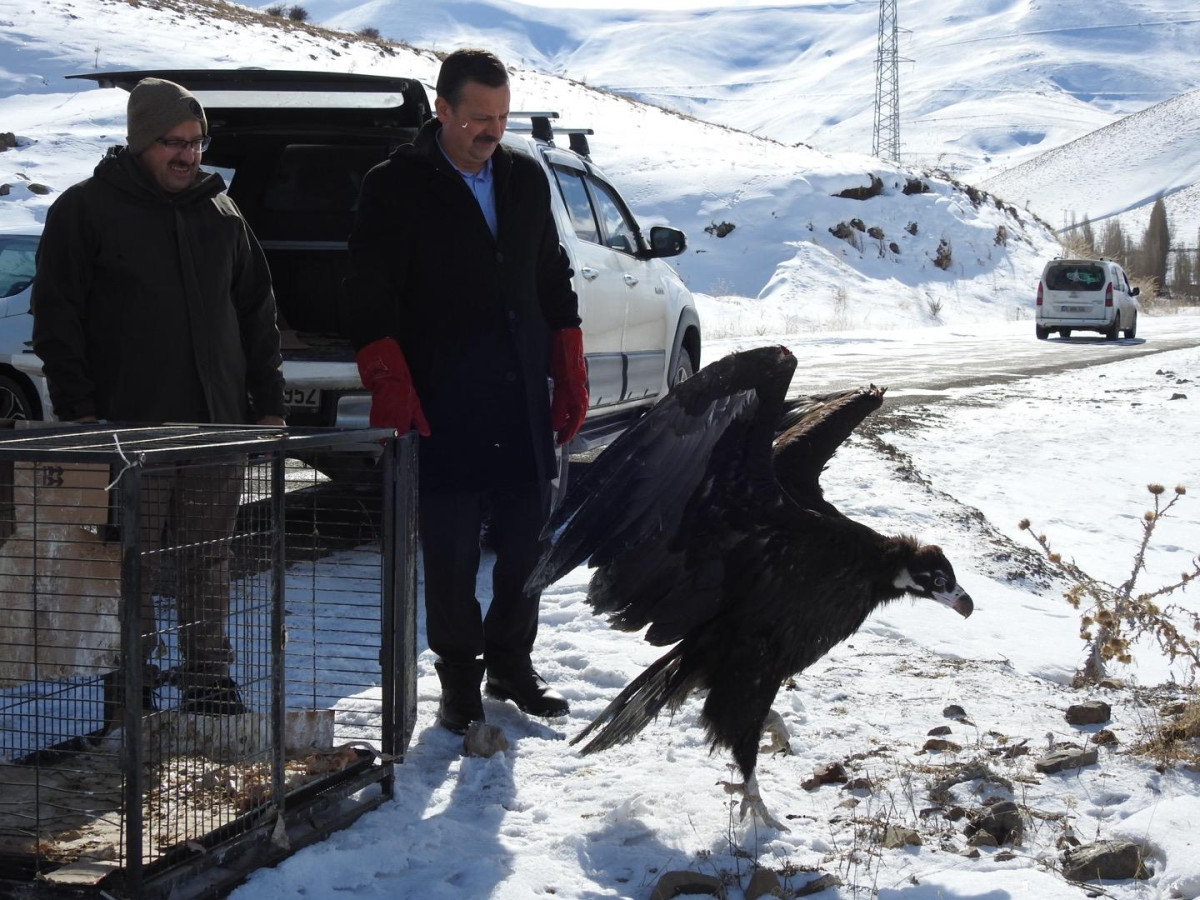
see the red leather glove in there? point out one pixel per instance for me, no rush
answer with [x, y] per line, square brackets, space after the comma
[569, 404]
[394, 401]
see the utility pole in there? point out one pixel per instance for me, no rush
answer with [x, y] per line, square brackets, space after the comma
[885, 139]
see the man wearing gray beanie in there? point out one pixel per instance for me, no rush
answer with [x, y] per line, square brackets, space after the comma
[155, 107]
[153, 303]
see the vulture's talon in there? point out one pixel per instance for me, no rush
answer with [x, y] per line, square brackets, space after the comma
[752, 803]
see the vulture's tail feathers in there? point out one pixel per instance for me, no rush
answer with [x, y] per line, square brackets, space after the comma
[664, 683]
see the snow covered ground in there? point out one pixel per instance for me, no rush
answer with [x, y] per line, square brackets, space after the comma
[1073, 453]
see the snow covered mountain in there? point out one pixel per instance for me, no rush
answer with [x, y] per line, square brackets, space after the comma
[983, 85]
[1054, 109]
[917, 250]
[1152, 152]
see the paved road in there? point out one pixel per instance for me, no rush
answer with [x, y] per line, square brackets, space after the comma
[922, 362]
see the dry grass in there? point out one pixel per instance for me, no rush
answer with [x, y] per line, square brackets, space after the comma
[243, 15]
[1075, 247]
[1175, 741]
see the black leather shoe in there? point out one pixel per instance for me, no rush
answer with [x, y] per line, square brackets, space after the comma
[113, 692]
[529, 691]
[221, 698]
[461, 702]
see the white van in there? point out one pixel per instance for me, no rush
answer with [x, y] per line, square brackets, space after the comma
[1086, 295]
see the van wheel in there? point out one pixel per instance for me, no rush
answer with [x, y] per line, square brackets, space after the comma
[1114, 329]
[1131, 331]
[1042, 333]
[1065, 332]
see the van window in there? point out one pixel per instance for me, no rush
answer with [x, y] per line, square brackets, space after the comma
[1076, 277]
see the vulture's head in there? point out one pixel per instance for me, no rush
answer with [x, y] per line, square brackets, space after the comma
[927, 573]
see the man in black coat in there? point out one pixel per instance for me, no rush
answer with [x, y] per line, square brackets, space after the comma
[462, 312]
[153, 303]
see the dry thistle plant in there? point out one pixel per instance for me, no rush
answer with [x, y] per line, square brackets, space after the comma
[1113, 617]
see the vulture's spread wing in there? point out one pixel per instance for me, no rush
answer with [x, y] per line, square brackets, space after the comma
[651, 512]
[819, 428]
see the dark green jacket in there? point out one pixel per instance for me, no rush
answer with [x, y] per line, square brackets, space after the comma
[154, 307]
[472, 313]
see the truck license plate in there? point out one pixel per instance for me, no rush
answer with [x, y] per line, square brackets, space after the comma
[302, 398]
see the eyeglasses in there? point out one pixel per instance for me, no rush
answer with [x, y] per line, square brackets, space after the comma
[176, 145]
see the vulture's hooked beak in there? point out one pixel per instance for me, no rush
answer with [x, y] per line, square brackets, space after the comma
[958, 600]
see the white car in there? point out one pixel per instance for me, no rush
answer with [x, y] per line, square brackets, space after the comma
[19, 396]
[1086, 295]
[294, 147]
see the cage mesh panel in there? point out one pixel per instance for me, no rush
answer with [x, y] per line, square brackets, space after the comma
[333, 611]
[59, 647]
[206, 607]
[218, 752]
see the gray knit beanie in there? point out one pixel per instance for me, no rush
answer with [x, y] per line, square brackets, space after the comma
[155, 107]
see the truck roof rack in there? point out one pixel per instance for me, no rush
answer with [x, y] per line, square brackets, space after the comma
[539, 123]
[539, 126]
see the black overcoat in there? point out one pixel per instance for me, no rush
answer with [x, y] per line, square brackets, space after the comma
[472, 313]
[154, 307]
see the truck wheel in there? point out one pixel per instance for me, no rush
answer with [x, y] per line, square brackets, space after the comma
[684, 368]
[15, 402]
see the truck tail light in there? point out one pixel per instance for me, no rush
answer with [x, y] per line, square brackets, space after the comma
[1108, 295]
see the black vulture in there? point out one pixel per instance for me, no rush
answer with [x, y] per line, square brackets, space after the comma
[706, 527]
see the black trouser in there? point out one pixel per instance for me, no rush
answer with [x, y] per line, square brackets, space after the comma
[451, 522]
[188, 514]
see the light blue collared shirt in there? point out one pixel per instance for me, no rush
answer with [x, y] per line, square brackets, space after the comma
[481, 186]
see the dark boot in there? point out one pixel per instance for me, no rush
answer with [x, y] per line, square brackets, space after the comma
[220, 697]
[519, 683]
[461, 702]
[113, 687]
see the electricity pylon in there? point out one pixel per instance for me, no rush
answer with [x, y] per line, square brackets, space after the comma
[885, 138]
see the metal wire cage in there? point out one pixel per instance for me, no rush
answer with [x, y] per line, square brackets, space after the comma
[203, 641]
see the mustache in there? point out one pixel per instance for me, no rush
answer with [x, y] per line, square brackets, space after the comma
[486, 139]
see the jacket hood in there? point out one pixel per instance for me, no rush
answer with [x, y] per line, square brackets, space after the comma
[120, 169]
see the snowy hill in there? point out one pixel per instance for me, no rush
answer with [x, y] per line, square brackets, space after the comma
[1155, 151]
[780, 199]
[983, 85]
